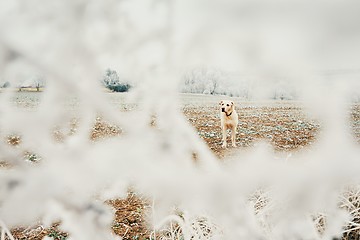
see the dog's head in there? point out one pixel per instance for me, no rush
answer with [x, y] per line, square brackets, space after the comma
[227, 106]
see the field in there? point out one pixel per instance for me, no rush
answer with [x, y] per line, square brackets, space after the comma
[283, 124]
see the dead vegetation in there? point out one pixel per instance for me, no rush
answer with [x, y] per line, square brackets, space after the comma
[350, 201]
[38, 232]
[129, 221]
[285, 126]
[355, 121]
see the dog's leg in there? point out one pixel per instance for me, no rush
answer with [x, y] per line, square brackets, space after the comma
[233, 136]
[224, 137]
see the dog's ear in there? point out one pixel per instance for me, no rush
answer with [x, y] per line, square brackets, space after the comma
[221, 102]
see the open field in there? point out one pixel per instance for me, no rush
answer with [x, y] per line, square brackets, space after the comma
[283, 124]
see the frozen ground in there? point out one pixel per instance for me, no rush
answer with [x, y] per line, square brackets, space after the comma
[283, 124]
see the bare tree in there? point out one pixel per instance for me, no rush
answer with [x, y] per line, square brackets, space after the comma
[203, 80]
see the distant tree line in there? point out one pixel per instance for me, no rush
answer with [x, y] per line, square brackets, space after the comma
[203, 80]
[213, 81]
[36, 82]
[110, 80]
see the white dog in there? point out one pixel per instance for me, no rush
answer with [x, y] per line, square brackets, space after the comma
[229, 120]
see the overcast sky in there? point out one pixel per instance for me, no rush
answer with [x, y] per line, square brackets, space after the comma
[270, 39]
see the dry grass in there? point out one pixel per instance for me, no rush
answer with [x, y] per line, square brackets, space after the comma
[103, 129]
[350, 201]
[285, 126]
[200, 227]
[355, 121]
[129, 222]
[38, 232]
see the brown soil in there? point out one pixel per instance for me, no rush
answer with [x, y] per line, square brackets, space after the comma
[285, 126]
[129, 222]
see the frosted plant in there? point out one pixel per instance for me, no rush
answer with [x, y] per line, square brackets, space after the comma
[71, 42]
[5, 232]
[205, 80]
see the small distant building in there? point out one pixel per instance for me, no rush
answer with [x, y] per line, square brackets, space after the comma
[33, 82]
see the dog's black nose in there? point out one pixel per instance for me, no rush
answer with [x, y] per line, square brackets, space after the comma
[223, 109]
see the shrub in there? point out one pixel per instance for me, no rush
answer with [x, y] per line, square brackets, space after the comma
[111, 81]
[5, 85]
